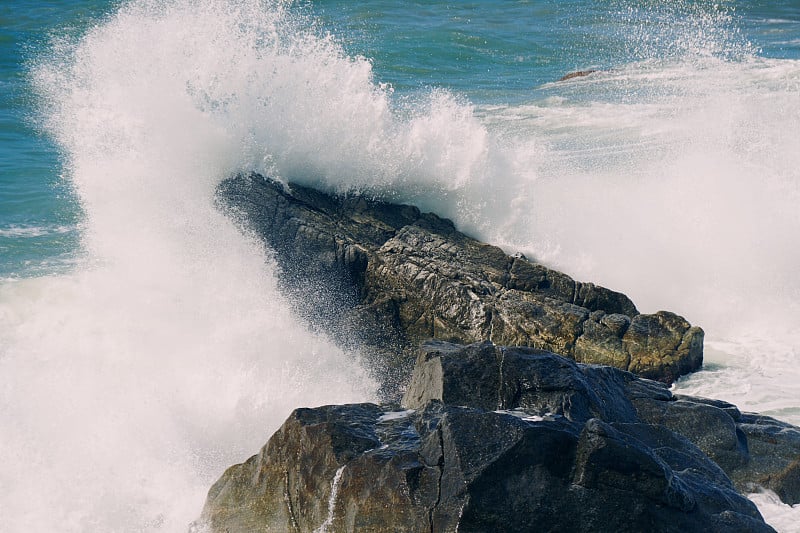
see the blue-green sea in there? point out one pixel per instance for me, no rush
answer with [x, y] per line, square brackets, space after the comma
[144, 346]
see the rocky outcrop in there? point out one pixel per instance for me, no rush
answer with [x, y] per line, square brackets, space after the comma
[774, 454]
[502, 439]
[755, 451]
[576, 74]
[390, 277]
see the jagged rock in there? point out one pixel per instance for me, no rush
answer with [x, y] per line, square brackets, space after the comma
[753, 450]
[492, 439]
[493, 377]
[388, 277]
[786, 483]
[774, 453]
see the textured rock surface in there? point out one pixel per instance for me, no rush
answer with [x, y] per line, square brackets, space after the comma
[495, 439]
[391, 277]
[774, 456]
[753, 450]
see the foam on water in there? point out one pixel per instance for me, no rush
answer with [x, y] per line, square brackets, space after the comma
[783, 518]
[168, 354]
[685, 200]
[19, 230]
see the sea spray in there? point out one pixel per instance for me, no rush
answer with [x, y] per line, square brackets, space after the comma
[685, 201]
[169, 354]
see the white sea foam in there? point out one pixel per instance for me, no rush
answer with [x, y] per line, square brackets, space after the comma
[395, 415]
[23, 230]
[782, 517]
[129, 384]
[520, 413]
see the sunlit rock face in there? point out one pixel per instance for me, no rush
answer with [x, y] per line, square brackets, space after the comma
[387, 277]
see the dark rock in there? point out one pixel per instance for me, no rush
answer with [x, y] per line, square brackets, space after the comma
[493, 377]
[712, 429]
[497, 439]
[753, 450]
[756, 451]
[774, 452]
[385, 277]
[786, 483]
[576, 74]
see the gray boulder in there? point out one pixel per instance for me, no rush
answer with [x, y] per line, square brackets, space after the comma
[755, 451]
[489, 438]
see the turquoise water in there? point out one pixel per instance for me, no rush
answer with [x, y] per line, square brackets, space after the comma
[142, 336]
[38, 215]
[502, 51]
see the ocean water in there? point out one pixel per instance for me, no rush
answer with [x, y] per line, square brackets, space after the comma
[144, 346]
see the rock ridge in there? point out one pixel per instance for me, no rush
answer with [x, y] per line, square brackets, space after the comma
[387, 277]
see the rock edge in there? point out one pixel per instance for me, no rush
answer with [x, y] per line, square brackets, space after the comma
[508, 439]
[387, 277]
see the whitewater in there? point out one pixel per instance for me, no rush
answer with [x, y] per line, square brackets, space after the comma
[165, 351]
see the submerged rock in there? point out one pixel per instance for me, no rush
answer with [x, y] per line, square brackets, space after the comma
[576, 74]
[387, 277]
[497, 439]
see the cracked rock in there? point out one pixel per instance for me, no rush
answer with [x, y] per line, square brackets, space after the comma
[383, 278]
[498, 439]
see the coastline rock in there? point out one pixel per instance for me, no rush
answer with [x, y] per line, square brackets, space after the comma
[576, 74]
[502, 439]
[501, 434]
[753, 450]
[387, 277]
[774, 452]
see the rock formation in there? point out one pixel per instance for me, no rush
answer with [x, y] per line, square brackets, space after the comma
[497, 433]
[576, 74]
[503, 439]
[391, 277]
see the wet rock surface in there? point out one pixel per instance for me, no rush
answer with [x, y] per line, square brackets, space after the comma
[385, 277]
[492, 438]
